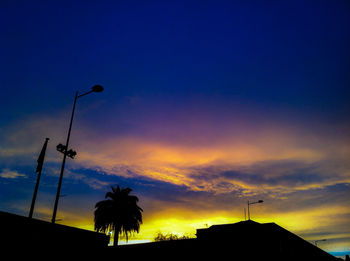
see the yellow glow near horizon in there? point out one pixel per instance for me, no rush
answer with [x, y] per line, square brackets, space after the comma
[179, 226]
[186, 221]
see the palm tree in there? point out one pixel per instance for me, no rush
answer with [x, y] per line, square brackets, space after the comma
[120, 213]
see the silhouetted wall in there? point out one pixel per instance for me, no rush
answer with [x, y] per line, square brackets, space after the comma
[18, 232]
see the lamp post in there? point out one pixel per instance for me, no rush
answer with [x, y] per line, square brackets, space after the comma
[320, 240]
[251, 203]
[64, 148]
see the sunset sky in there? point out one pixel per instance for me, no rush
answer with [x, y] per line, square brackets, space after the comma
[207, 104]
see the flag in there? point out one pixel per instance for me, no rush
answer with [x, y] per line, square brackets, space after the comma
[41, 157]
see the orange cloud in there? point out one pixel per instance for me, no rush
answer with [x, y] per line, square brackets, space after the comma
[201, 167]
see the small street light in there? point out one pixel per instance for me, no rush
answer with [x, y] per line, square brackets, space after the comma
[64, 148]
[251, 203]
[320, 240]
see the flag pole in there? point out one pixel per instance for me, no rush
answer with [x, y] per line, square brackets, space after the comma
[38, 169]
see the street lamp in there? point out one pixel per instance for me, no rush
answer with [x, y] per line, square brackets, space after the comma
[64, 148]
[320, 240]
[251, 203]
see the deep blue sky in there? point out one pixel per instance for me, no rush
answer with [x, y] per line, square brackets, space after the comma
[293, 55]
[204, 101]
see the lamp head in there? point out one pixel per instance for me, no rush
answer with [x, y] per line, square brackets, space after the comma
[61, 148]
[260, 201]
[97, 88]
[71, 153]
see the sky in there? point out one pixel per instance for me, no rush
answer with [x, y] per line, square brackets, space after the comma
[207, 104]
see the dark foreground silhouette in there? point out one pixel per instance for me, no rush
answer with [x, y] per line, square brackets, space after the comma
[246, 240]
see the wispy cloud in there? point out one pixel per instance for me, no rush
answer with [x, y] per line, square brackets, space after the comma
[11, 174]
[276, 159]
[222, 168]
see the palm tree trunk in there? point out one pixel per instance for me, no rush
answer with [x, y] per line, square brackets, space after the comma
[116, 236]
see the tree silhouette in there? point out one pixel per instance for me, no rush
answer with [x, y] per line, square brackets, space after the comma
[119, 213]
[168, 237]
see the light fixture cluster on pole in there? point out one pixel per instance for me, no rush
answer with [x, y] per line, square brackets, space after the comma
[70, 153]
[251, 203]
[64, 148]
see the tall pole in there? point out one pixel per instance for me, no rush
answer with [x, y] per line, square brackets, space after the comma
[63, 162]
[248, 211]
[42, 154]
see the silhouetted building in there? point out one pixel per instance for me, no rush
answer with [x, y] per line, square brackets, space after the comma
[260, 240]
